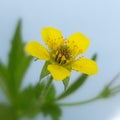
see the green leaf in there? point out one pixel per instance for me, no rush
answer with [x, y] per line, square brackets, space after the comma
[3, 72]
[3, 75]
[66, 82]
[44, 71]
[50, 97]
[53, 110]
[18, 62]
[6, 113]
[77, 84]
[28, 102]
[49, 107]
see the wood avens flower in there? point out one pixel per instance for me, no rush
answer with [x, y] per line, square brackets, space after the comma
[63, 54]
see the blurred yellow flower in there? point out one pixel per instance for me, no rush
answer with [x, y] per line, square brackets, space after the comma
[63, 54]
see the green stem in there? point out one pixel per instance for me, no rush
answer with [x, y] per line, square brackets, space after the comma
[116, 88]
[48, 85]
[80, 103]
[114, 79]
[45, 90]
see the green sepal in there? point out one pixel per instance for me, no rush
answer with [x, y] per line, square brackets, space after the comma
[94, 57]
[66, 82]
[44, 71]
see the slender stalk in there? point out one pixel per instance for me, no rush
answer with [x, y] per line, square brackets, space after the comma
[48, 85]
[45, 90]
[114, 79]
[116, 88]
[115, 92]
[79, 103]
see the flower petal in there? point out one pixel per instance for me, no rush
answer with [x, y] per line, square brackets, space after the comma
[52, 37]
[58, 72]
[37, 50]
[85, 65]
[78, 43]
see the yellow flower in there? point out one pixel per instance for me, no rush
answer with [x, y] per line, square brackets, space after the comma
[63, 54]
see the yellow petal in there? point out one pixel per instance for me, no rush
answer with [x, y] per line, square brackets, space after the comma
[85, 65]
[78, 43]
[58, 72]
[52, 37]
[37, 50]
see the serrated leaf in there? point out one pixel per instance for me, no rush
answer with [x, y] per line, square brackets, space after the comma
[66, 82]
[44, 71]
[77, 84]
[18, 62]
[28, 100]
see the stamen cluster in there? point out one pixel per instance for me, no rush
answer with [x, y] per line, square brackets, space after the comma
[63, 55]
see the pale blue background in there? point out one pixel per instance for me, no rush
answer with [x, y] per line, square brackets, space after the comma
[97, 19]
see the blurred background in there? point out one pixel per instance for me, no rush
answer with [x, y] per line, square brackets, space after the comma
[99, 20]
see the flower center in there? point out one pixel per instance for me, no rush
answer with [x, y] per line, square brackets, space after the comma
[63, 55]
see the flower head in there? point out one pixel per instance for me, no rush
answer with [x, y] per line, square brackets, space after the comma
[63, 54]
